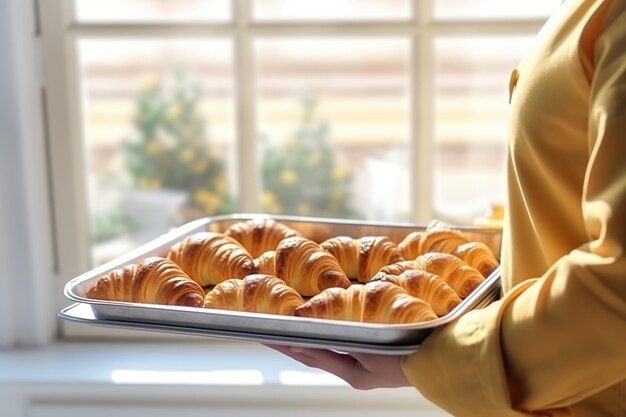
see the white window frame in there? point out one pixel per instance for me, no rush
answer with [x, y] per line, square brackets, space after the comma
[57, 244]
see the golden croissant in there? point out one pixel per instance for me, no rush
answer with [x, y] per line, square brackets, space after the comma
[395, 269]
[154, 280]
[258, 293]
[460, 276]
[374, 302]
[362, 258]
[259, 235]
[266, 263]
[210, 258]
[308, 268]
[433, 239]
[477, 255]
[410, 245]
[429, 287]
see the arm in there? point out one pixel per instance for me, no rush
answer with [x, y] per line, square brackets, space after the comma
[553, 341]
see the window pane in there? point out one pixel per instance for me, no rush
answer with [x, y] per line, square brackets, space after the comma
[333, 117]
[471, 110]
[124, 11]
[158, 132]
[493, 9]
[331, 10]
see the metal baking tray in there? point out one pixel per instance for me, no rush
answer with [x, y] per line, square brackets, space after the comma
[270, 328]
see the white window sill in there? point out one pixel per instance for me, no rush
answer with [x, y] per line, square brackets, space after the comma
[103, 378]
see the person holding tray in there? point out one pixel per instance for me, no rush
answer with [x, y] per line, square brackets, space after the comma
[555, 343]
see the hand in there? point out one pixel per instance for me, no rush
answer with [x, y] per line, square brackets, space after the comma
[362, 371]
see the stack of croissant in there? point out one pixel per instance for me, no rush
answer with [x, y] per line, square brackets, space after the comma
[264, 266]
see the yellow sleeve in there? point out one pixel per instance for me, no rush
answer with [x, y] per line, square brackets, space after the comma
[553, 341]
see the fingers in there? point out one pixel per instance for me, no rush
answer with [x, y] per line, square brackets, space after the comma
[360, 370]
[342, 365]
[316, 358]
[280, 348]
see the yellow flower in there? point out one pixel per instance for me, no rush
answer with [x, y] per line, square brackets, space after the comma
[173, 112]
[288, 177]
[315, 158]
[148, 83]
[340, 173]
[209, 201]
[149, 183]
[270, 202]
[154, 147]
[186, 155]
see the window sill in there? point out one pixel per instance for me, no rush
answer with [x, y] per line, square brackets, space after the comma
[95, 376]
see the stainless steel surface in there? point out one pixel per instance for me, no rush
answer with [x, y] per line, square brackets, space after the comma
[83, 313]
[274, 328]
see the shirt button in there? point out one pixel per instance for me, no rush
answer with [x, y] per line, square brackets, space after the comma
[513, 83]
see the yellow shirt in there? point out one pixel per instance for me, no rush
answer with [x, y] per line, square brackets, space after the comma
[555, 344]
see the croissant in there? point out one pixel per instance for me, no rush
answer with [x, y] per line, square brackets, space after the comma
[210, 258]
[259, 293]
[154, 280]
[441, 239]
[362, 258]
[259, 235]
[410, 245]
[374, 302]
[308, 268]
[433, 239]
[429, 287]
[477, 255]
[266, 263]
[395, 269]
[460, 276]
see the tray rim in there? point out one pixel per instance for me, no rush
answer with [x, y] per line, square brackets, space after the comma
[102, 307]
[67, 313]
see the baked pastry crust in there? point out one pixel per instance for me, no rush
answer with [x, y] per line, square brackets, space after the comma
[374, 302]
[477, 255]
[210, 258]
[362, 258]
[460, 276]
[259, 235]
[429, 287]
[308, 268]
[436, 238]
[258, 293]
[154, 280]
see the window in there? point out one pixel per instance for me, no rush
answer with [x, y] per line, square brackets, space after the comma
[161, 111]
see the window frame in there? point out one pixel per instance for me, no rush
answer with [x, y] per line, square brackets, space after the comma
[63, 121]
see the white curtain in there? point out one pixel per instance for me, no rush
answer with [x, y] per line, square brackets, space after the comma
[27, 282]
